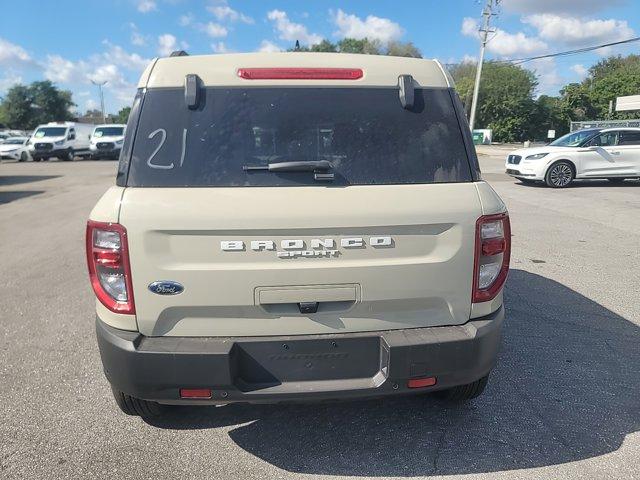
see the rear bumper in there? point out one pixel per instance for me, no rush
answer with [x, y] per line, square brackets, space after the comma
[310, 367]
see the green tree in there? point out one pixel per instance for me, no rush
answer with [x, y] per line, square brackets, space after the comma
[24, 107]
[610, 78]
[402, 49]
[123, 115]
[506, 99]
[364, 45]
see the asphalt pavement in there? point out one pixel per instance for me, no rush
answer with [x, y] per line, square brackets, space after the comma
[564, 401]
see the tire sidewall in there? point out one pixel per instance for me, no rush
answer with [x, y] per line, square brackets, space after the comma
[547, 177]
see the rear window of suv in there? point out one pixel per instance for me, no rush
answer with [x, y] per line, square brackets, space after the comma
[365, 134]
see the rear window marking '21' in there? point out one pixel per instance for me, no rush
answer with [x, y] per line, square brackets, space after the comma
[163, 139]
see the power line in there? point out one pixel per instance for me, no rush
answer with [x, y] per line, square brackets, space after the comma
[518, 61]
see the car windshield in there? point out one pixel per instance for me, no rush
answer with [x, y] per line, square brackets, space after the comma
[363, 135]
[15, 141]
[108, 132]
[50, 132]
[573, 139]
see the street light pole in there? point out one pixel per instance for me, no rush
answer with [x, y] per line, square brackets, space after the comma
[487, 13]
[100, 85]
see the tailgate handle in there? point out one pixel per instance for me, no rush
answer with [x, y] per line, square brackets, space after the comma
[305, 295]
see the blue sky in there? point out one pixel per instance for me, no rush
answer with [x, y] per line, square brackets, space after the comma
[74, 42]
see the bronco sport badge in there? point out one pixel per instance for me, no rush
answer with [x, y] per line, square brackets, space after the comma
[319, 247]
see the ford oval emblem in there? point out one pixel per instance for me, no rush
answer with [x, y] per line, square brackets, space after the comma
[166, 287]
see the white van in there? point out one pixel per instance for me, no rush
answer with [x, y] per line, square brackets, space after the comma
[106, 141]
[64, 140]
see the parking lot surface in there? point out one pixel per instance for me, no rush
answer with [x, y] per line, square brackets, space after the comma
[563, 401]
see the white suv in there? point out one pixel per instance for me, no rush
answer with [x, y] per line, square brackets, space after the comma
[611, 153]
[296, 226]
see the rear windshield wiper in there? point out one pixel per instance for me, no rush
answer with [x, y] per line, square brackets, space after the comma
[304, 166]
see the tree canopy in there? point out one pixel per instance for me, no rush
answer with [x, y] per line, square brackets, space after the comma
[507, 101]
[364, 46]
[26, 106]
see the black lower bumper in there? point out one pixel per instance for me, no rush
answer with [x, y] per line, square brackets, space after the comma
[313, 367]
[108, 154]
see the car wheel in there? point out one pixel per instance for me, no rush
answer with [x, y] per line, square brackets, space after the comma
[23, 157]
[463, 393]
[559, 175]
[616, 180]
[67, 156]
[137, 407]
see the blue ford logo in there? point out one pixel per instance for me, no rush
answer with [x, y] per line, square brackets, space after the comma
[166, 287]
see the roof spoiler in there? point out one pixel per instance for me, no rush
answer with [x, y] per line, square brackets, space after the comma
[192, 91]
[406, 90]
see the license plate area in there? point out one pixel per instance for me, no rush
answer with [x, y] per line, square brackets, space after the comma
[263, 364]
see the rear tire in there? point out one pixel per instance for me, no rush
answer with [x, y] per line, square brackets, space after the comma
[560, 175]
[464, 393]
[137, 407]
[23, 157]
[616, 181]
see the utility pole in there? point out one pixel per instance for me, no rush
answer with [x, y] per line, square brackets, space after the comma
[100, 85]
[487, 13]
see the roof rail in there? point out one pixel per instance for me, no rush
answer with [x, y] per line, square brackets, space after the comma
[179, 53]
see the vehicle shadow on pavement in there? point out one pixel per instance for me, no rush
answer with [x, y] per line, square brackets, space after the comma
[566, 388]
[584, 183]
[20, 179]
[7, 197]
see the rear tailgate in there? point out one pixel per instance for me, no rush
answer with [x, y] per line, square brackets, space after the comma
[420, 277]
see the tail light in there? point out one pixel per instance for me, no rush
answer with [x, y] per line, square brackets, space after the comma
[109, 268]
[492, 255]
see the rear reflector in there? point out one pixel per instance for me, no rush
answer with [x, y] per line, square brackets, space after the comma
[421, 382]
[195, 393]
[300, 73]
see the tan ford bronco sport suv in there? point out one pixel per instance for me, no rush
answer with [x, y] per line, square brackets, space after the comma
[296, 226]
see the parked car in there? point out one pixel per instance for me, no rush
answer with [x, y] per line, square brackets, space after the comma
[15, 148]
[106, 141]
[296, 226]
[611, 153]
[63, 140]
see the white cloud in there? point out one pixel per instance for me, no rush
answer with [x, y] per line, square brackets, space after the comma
[138, 39]
[91, 104]
[9, 80]
[215, 30]
[575, 31]
[580, 70]
[146, 6]
[288, 30]
[269, 47]
[559, 6]
[219, 47]
[117, 55]
[470, 27]
[372, 27]
[185, 20]
[59, 69]
[549, 80]
[168, 43]
[11, 53]
[226, 13]
[506, 44]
